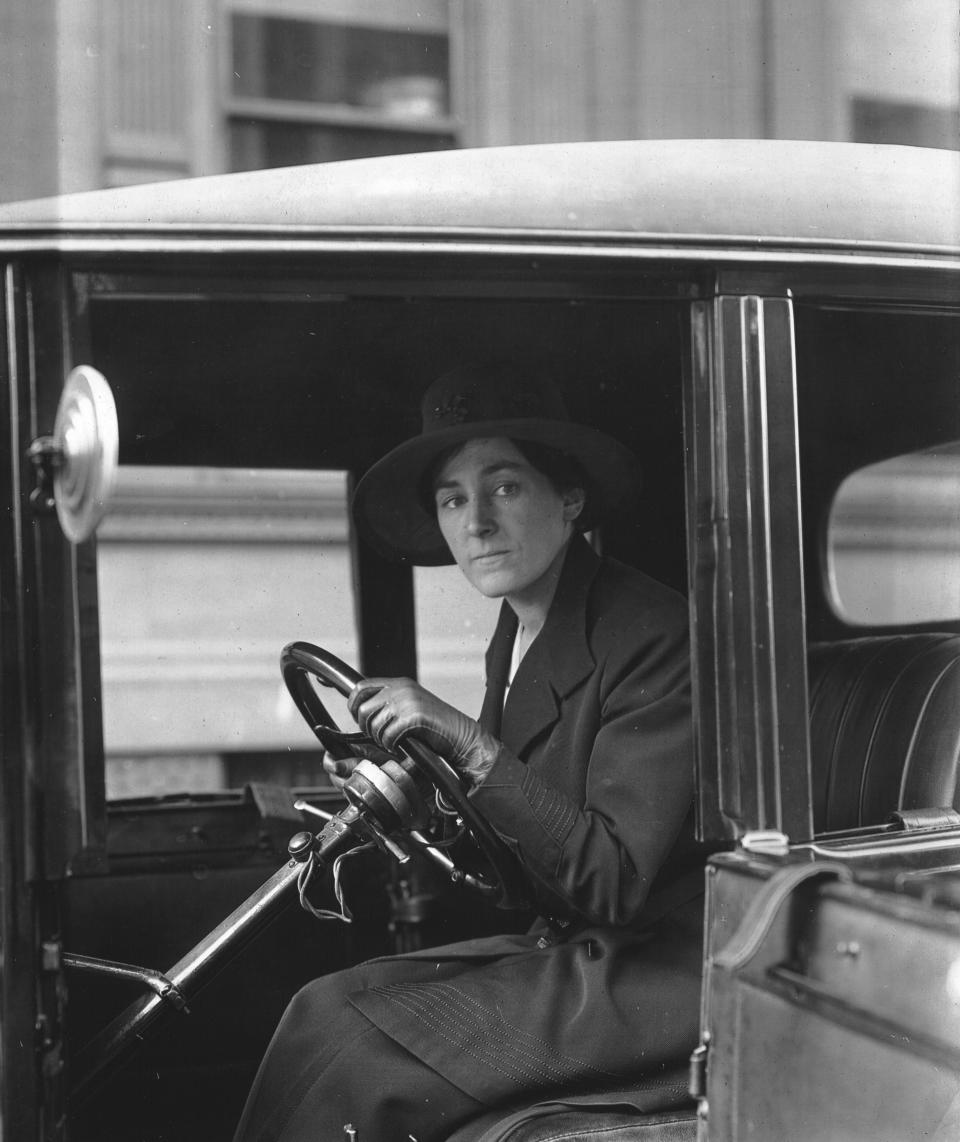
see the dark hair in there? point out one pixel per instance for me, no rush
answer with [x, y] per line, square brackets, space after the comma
[563, 471]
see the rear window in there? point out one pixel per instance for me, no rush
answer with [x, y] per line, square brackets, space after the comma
[893, 540]
[879, 418]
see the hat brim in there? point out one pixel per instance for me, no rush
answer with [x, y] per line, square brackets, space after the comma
[390, 513]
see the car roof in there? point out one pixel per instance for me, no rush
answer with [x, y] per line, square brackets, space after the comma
[716, 192]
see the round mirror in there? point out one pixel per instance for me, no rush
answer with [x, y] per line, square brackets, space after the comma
[87, 439]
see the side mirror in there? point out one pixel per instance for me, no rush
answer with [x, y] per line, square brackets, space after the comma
[893, 541]
[77, 465]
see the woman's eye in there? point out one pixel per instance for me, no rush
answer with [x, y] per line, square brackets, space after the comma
[507, 489]
[450, 501]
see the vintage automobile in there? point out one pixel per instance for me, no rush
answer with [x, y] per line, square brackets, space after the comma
[202, 368]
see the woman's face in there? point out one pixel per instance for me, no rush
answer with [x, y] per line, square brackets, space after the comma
[504, 521]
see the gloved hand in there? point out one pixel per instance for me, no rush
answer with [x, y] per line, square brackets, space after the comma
[388, 708]
[340, 768]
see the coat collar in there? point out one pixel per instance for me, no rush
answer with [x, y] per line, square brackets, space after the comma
[558, 659]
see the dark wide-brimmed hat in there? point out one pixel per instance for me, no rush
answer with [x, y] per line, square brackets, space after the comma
[392, 506]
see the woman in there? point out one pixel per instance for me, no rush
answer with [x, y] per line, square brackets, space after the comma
[582, 762]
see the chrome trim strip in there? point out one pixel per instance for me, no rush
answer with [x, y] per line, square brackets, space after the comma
[889, 846]
[223, 245]
[445, 235]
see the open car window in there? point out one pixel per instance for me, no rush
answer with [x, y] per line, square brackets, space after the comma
[454, 625]
[245, 409]
[203, 574]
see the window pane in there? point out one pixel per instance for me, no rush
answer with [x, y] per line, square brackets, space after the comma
[454, 624]
[916, 124]
[387, 70]
[893, 544]
[256, 144]
[204, 575]
[878, 404]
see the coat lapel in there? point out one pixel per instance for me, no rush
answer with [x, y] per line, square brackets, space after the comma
[557, 661]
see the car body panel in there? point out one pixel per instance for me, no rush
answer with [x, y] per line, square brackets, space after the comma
[733, 193]
[831, 1007]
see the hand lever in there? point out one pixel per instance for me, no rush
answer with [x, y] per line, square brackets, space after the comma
[385, 843]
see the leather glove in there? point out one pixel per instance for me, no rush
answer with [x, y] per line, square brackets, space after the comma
[389, 708]
[340, 768]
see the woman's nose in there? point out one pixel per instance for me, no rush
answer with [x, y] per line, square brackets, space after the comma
[480, 519]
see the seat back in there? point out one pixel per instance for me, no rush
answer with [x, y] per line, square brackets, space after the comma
[884, 727]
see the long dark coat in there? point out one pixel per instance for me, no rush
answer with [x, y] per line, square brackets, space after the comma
[593, 789]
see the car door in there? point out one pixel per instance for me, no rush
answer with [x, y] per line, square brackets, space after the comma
[247, 402]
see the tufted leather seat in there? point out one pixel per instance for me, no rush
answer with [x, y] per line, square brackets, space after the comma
[884, 727]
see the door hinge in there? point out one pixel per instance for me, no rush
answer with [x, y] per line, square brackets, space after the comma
[51, 956]
[48, 1043]
[698, 1069]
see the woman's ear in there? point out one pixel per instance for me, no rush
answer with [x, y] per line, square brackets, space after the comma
[573, 503]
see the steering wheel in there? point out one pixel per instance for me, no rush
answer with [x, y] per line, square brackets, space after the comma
[301, 660]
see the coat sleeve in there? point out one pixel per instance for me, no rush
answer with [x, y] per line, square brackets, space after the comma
[596, 860]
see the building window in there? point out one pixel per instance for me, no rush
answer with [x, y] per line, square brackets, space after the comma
[913, 124]
[343, 83]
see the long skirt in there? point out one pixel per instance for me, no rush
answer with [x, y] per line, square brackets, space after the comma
[415, 1046]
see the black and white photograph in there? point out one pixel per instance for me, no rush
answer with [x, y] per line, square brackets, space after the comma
[480, 571]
